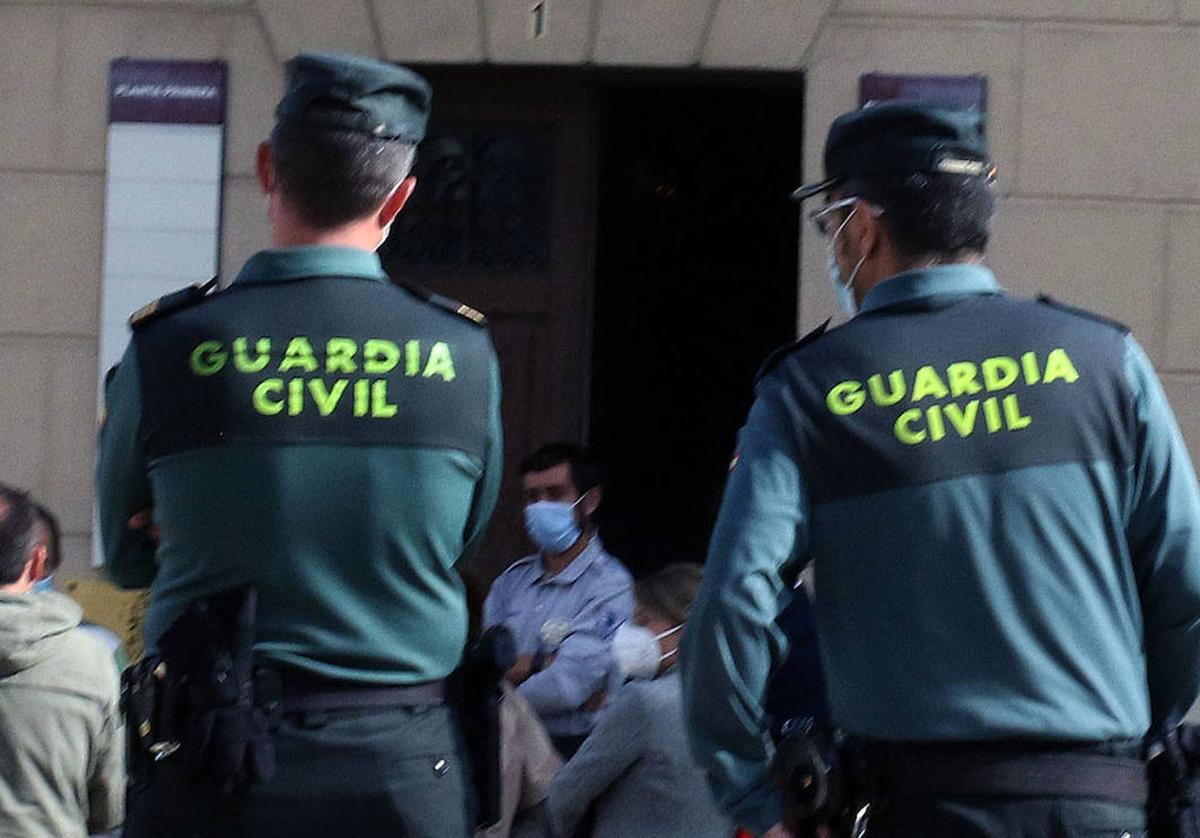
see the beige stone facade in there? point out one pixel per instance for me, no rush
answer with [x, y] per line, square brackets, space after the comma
[1095, 122]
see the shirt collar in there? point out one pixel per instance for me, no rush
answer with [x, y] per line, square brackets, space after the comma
[578, 565]
[938, 281]
[311, 260]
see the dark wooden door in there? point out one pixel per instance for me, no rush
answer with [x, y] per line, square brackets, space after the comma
[502, 220]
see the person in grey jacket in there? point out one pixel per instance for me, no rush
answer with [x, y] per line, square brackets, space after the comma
[635, 772]
[62, 758]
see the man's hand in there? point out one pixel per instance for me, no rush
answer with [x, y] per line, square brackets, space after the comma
[144, 520]
[521, 670]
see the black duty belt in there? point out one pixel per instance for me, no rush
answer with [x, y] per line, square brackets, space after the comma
[300, 693]
[1039, 774]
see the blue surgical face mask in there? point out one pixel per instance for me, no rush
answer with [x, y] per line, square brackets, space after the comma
[843, 290]
[552, 526]
[46, 583]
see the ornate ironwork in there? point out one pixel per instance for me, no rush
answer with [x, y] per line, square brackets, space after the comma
[483, 201]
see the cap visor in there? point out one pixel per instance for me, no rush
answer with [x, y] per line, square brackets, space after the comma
[810, 189]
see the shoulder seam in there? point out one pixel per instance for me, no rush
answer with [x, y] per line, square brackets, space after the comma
[776, 357]
[171, 303]
[466, 312]
[521, 562]
[1046, 299]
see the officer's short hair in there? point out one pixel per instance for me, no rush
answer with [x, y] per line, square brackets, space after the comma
[586, 472]
[331, 177]
[18, 533]
[49, 521]
[930, 214]
[669, 593]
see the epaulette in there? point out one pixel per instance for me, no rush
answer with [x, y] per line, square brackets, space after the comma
[776, 357]
[1083, 312]
[453, 306]
[175, 301]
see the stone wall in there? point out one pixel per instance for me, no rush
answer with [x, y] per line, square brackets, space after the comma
[54, 61]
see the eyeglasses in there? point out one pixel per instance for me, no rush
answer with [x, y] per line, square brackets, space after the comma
[822, 217]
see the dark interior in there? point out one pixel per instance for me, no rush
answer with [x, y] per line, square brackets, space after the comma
[629, 235]
[696, 283]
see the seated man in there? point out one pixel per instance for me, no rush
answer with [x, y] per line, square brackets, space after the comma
[62, 758]
[563, 602]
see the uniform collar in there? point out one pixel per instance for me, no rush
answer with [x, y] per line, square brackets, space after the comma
[939, 281]
[311, 260]
[578, 566]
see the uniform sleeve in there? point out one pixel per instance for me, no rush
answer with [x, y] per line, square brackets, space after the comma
[613, 746]
[1164, 539]
[106, 786]
[582, 663]
[732, 641]
[122, 487]
[487, 491]
[797, 688]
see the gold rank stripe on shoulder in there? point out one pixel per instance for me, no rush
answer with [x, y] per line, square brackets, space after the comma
[472, 314]
[144, 312]
[168, 303]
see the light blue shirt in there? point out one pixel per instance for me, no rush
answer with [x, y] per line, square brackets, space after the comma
[571, 615]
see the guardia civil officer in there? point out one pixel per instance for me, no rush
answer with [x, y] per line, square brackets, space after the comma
[330, 441]
[1003, 516]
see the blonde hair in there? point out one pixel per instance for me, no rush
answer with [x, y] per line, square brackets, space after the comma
[669, 592]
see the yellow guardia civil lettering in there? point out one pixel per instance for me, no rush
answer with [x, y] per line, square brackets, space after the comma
[299, 355]
[241, 355]
[380, 357]
[331, 389]
[208, 358]
[992, 412]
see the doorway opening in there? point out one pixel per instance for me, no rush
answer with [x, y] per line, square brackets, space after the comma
[695, 284]
[630, 236]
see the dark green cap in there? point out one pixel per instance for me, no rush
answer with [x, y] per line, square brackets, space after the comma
[350, 92]
[902, 138]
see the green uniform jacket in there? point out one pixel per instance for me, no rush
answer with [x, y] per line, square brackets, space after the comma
[322, 435]
[1004, 521]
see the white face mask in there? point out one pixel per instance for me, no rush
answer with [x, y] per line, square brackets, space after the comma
[637, 652]
[843, 290]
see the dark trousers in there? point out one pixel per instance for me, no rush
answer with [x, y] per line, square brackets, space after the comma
[977, 817]
[367, 773]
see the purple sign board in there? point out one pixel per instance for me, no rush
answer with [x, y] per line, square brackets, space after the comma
[951, 91]
[170, 92]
